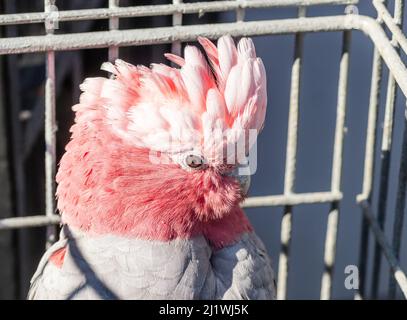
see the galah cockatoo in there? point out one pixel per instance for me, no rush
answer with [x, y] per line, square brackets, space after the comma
[147, 189]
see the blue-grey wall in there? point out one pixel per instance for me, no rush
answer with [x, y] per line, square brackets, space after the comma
[315, 147]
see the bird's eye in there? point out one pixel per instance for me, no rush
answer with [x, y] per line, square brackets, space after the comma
[194, 162]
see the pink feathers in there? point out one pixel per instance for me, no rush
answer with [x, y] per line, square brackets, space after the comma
[169, 109]
[57, 258]
[107, 182]
[107, 187]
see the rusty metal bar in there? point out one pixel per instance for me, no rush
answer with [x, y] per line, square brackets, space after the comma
[333, 216]
[290, 164]
[387, 137]
[161, 10]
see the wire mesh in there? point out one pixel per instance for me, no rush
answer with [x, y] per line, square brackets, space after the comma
[386, 51]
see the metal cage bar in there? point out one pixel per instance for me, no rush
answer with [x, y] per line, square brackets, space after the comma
[394, 24]
[369, 165]
[167, 9]
[290, 164]
[29, 222]
[387, 137]
[113, 25]
[396, 272]
[400, 207]
[385, 51]
[50, 129]
[240, 13]
[333, 216]
[176, 21]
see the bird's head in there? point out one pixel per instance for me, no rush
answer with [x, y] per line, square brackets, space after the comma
[163, 150]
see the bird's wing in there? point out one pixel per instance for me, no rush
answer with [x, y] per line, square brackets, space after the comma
[36, 279]
[112, 267]
[166, 270]
[243, 270]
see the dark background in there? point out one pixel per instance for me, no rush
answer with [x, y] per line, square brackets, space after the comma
[22, 147]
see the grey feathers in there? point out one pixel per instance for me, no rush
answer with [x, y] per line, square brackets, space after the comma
[111, 267]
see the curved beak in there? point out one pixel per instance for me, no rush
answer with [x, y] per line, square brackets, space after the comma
[244, 180]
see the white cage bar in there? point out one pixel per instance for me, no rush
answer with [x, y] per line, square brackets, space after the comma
[387, 135]
[290, 164]
[50, 129]
[386, 50]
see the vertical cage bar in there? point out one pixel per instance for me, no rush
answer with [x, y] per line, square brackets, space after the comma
[369, 167]
[387, 138]
[400, 207]
[290, 165]
[333, 216]
[240, 14]
[397, 273]
[176, 21]
[17, 147]
[50, 127]
[113, 25]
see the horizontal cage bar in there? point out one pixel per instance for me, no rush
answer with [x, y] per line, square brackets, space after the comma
[190, 33]
[29, 221]
[251, 202]
[161, 10]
